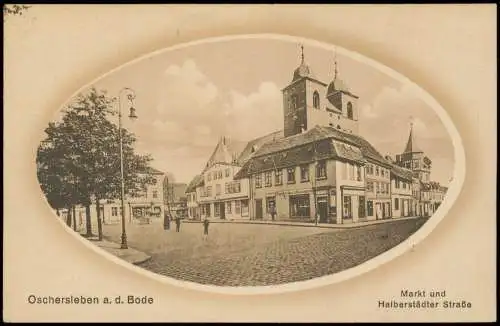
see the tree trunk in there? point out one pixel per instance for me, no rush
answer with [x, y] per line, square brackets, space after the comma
[68, 217]
[88, 219]
[99, 221]
[74, 217]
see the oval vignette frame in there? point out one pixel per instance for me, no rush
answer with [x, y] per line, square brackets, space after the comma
[453, 192]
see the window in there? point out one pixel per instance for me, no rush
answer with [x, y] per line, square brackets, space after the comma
[209, 177]
[244, 207]
[209, 191]
[278, 177]
[396, 203]
[219, 174]
[114, 211]
[226, 188]
[321, 170]
[304, 173]
[316, 100]
[369, 186]
[215, 175]
[358, 173]
[216, 209]
[404, 185]
[268, 179]
[349, 110]
[258, 180]
[155, 193]
[154, 181]
[369, 208]
[376, 171]
[347, 211]
[300, 206]
[351, 168]
[233, 187]
[290, 175]
[229, 207]
[227, 172]
[293, 102]
[237, 207]
[217, 189]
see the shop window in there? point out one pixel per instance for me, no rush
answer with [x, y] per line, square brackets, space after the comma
[300, 206]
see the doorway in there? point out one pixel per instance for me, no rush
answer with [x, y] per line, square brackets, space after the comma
[258, 209]
[222, 211]
[323, 209]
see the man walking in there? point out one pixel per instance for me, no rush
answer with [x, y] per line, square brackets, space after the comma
[177, 224]
[272, 210]
[205, 229]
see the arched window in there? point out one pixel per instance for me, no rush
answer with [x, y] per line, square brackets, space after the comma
[293, 102]
[349, 110]
[316, 100]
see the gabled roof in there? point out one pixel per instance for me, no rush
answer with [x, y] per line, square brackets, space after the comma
[401, 172]
[227, 150]
[195, 182]
[318, 143]
[254, 145]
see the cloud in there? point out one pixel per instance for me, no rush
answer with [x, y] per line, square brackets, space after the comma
[385, 121]
[255, 114]
[191, 114]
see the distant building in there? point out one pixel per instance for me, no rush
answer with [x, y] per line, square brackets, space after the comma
[175, 199]
[192, 199]
[148, 203]
[218, 194]
[427, 194]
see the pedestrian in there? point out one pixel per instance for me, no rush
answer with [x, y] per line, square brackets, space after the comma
[177, 224]
[205, 229]
[166, 221]
[272, 210]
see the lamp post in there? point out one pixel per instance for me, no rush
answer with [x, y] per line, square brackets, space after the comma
[130, 97]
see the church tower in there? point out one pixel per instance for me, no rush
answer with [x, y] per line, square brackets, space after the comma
[413, 158]
[308, 102]
[344, 103]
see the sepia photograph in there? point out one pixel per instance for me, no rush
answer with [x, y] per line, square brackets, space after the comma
[248, 161]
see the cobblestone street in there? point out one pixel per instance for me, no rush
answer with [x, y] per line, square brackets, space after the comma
[253, 255]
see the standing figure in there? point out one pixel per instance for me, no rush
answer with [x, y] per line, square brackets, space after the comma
[205, 229]
[166, 221]
[177, 224]
[272, 210]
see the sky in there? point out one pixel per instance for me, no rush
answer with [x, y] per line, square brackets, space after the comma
[187, 98]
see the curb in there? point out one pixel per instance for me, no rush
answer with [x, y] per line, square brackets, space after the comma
[329, 226]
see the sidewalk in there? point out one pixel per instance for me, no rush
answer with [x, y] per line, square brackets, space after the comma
[309, 224]
[130, 255]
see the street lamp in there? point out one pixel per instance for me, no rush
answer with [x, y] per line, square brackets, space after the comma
[132, 115]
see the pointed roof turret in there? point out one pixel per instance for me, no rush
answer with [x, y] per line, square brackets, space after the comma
[337, 84]
[411, 145]
[303, 70]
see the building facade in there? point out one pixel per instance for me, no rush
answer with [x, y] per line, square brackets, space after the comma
[318, 168]
[146, 204]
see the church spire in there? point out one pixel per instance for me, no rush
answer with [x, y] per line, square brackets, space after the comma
[411, 146]
[335, 66]
[302, 53]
